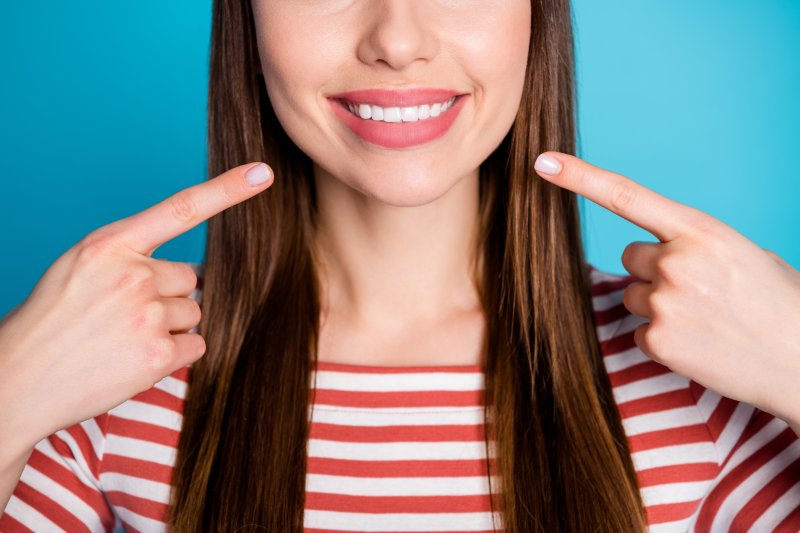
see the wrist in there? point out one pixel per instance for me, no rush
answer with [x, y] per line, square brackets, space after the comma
[13, 460]
[783, 398]
[16, 438]
[18, 431]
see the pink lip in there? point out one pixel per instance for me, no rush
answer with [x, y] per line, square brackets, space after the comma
[398, 134]
[396, 98]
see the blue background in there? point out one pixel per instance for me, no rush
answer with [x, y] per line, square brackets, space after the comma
[102, 114]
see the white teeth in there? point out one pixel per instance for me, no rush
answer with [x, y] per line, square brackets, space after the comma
[400, 114]
[409, 114]
[424, 111]
[391, 114]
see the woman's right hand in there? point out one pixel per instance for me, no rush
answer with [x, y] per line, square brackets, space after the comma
[106, 321]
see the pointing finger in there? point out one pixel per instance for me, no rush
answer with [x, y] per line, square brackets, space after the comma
[664, 218]
[145, 231]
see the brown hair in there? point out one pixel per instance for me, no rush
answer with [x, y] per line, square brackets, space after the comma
[562, 453]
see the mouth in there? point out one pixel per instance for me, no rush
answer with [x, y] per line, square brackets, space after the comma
[398, 114]
[422, 117]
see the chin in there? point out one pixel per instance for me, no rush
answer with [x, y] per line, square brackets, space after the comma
[399, 183]
[403, 190]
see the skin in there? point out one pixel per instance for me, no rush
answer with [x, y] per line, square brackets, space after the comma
[397, 239]
[398, 227]
[107, 316]
[723, 311]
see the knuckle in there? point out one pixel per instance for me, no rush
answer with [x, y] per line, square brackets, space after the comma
[152, 314]
[196, 311]
[623, 196]
[182, 207]
[649, 344]
[232, 191]
[648, 338]
[192, 347]
[773, 255]
[628, 254]
[669, 267]
[639, 337]
[92, 247]
[656, 303]
[201, 345]
[136, 275]
[190, 273]
[158, 354]
[628, 294]
[706, 226]
[659, 342]
[155, 311]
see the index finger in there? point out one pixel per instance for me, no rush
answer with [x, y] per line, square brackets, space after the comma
[147, 230]
[661, 216]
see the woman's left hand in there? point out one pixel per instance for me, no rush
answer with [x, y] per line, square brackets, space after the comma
[723, 311]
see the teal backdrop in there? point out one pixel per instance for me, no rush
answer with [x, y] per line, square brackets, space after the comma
[102, 114]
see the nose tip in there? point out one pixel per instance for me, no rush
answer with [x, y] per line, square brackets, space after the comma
[400, 35]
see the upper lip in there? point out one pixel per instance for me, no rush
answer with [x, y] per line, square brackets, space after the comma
[397, 98]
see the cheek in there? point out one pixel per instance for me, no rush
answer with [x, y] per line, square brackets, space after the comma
[486, 49]
[295, 62]
[495, 53]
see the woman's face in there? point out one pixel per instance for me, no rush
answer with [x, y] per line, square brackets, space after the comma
[312, 50]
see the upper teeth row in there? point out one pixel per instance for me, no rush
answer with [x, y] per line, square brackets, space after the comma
[399, 114]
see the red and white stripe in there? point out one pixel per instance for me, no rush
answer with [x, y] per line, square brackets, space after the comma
[402, 450]
[398, 449]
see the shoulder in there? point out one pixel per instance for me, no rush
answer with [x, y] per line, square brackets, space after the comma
[703, 461]
[657, 405]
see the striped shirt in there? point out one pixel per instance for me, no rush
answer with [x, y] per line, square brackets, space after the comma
[401, 449]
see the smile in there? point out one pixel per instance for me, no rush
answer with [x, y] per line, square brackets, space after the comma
[423, 119]
[399, 114]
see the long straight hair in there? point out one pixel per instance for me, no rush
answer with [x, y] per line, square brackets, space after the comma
[561, 452]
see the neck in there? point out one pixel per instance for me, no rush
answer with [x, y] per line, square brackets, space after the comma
[381, 263]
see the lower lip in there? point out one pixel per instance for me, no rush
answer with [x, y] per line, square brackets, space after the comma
[399, 134]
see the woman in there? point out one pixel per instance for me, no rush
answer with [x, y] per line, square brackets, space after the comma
[400, 257]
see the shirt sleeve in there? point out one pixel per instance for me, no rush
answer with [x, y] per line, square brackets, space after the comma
[59, 489]
[758, 485]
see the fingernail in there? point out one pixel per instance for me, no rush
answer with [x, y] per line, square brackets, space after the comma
[547, 164]
[258, 175]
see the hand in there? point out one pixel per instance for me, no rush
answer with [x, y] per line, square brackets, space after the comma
[723, 311]
[107, 321]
